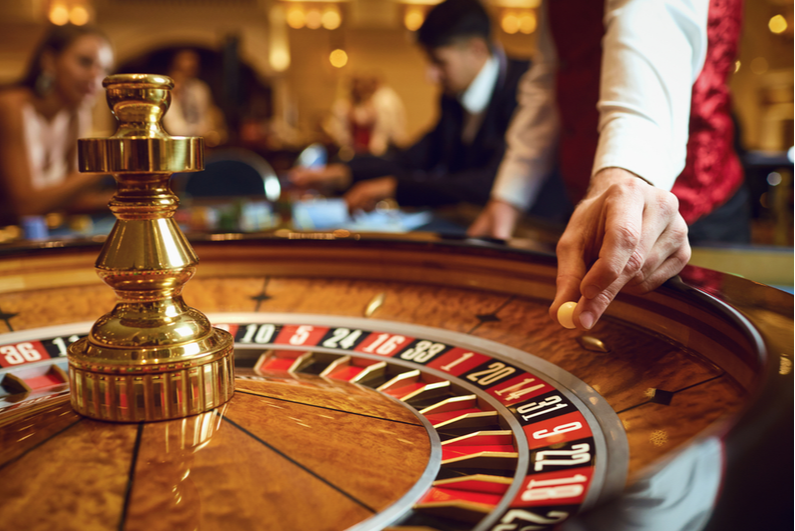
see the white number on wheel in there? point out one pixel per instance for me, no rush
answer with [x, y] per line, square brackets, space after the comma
[61, 344]
[301, 335]
[258, 333]
[578, 455]
[557, 430]
[452, 364]
[423, 351]
[517, 517]
[496, 371]
[342, 338]
[554, 489]
[516, 391]
[20, 353]
[531, 409]
[385, 344]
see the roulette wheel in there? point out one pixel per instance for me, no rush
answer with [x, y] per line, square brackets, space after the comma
[398, 383]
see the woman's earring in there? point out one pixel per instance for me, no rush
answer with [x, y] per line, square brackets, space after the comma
[44, 83]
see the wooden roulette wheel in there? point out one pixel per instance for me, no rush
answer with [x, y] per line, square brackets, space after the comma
[380, 383]
[394, 383]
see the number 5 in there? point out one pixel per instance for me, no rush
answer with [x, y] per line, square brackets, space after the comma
[301, 335]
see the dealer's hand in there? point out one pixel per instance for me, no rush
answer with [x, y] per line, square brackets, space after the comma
[364, 195]
[497, 220]
[332, 175]
[625, 234]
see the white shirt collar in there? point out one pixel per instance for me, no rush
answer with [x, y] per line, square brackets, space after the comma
[477, 96]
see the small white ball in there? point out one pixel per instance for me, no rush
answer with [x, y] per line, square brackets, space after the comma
[565, 314]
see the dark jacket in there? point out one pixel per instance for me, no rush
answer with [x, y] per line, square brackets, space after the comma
[440, 169]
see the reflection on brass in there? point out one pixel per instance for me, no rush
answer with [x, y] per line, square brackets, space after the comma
[400, 380]
[593, 344]
[477, 420]
[485, 461]
[481, 478]
[342, 361]
[301, 361]
[152, 357]
[478, 438]
[371, 371]
[785, 365]
[454, 403]
[430, 391]
[374, 304]
[163, 471]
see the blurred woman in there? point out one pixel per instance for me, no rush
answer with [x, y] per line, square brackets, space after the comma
[41, 118]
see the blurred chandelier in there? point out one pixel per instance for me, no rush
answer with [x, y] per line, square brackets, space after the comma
[77, 12]
[313, 15]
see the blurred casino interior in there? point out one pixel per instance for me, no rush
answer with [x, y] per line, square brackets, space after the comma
[275, 68]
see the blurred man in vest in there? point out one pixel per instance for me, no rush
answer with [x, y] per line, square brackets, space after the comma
[458, 159]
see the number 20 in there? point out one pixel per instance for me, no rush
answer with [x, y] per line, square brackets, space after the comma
[496, 371]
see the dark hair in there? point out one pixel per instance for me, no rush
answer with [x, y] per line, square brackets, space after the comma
[453, 20]
[55, 40]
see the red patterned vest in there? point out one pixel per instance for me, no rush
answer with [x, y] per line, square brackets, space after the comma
[713, 172]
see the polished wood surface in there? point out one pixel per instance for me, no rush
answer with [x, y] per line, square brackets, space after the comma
[277, 444]
[453, 292]
[43, 487]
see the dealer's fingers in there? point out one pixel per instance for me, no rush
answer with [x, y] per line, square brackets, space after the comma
[669, 256]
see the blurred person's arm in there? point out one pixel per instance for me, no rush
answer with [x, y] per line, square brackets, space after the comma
[419, 189]
[337, 124]
[627, 232]
[390, 121]
[74, 193]
[417, 176]
[531, 142]
[336, 176]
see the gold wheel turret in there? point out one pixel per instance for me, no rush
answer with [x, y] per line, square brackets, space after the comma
[152, 357]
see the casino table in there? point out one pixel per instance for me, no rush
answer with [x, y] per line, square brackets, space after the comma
[406, 382]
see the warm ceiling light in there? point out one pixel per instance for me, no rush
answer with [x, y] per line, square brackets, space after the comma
[777, 24]
[527, 22]
[331, 19]
[510, 23]
[313, 19]
[59, 15]
[279, 59]
[78, 16]
[414, 18]
[338, 58]
[296, 18]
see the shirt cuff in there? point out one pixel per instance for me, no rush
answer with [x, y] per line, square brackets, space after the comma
[638, 145]
[519, 182]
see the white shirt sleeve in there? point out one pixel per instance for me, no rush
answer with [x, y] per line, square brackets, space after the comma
[653, 51]
[532, 135]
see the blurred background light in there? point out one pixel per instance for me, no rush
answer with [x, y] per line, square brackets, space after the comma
[338, 58]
